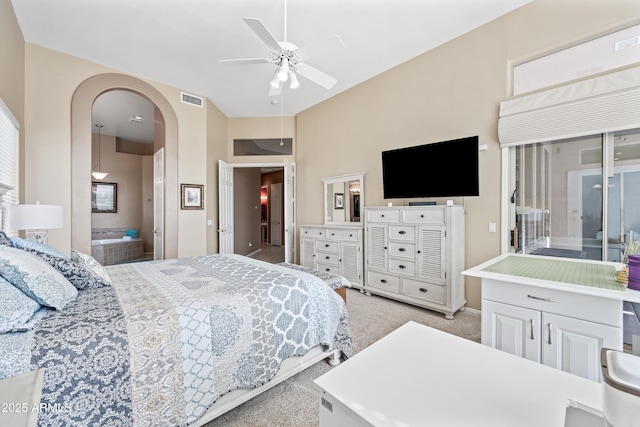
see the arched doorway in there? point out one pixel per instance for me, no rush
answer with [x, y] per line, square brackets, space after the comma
[81, 130]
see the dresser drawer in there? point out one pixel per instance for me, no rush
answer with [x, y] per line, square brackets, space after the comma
[425, 291]
[383, 281]
[423, 216]
[391, 215]
[401, 266]
[327, 246]
[327, 258]
[328, 268]
[402, 249]
[402, 232]
[312, 232]
[343, 235]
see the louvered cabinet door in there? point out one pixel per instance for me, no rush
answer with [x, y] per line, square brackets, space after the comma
[432, 253]
[350, 267]
[308, 253]
[377, 241]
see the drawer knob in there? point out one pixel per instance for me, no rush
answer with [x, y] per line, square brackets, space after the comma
[402, 232]
[327, 257]
[350, 235]
[326, 246]
[422, 216]
[382, 216]
[402, 266]
[383, 280]
[424, 290]
[401, 249]
[333, 234]
[327, 269]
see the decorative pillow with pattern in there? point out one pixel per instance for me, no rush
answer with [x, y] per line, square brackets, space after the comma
[90, 263]
[16, 309]
[77, 274]
[37, 279]
[36, 246]
[4, 239]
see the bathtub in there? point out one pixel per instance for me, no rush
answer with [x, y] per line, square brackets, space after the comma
[116, 251]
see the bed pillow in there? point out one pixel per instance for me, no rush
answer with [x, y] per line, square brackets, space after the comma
[36, 246]
[4, 239]
[90, 263]
[37, 279]
[16, 309]
[77, 274]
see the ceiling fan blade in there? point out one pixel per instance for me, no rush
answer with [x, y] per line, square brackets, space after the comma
[261, 31]
[316, 76]
[242, 61]
[321, 47]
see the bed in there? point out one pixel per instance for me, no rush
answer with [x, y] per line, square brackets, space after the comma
[173, 342]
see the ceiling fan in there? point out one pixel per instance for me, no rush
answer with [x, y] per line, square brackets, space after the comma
[289, 58]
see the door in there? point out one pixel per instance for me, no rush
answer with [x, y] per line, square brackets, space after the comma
[289, 212]
[432, 253]
[225, 208]
[574, 345]
[513, 329]
[158, 204]
[275, 225]
[307, 253]
[349, 265]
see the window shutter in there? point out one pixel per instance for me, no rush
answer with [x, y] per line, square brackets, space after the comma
[9, 140]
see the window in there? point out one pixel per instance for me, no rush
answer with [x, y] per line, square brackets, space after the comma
[263, 147]
[9, 140]
[562, 205]
[615, 50]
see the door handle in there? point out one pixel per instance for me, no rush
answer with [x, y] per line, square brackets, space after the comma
[532, 326]
[221, 230]
[549, 330]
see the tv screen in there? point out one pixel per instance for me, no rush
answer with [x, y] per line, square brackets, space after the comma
[441, 169]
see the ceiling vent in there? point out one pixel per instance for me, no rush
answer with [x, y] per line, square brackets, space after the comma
[192, 99]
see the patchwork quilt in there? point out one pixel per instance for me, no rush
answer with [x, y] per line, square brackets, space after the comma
[170, 337]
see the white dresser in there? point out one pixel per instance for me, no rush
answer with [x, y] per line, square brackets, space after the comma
[415, 254]
[335, 249]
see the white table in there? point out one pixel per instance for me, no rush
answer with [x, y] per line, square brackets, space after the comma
[419, 376]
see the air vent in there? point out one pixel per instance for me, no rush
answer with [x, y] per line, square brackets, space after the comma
[192, 99]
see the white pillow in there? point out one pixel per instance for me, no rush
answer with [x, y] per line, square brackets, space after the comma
[37, 279]
[16, 309]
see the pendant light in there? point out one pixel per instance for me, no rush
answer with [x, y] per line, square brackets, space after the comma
[99, 174]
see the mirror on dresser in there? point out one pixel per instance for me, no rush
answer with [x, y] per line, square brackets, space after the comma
[344, 199]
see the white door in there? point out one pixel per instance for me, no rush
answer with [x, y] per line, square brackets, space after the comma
[513, 329]
[276, 214]
[574, 345]
[225, 207]
[289, 212]
[158, 204]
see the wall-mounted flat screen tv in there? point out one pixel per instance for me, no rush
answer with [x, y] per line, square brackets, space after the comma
[440, 169]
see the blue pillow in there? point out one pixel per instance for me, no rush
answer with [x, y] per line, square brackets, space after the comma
[37, 279]
[93, 266]
[74, 272]
[37, 246]
[16, 309]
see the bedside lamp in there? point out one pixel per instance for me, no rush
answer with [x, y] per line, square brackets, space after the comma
[36, 219]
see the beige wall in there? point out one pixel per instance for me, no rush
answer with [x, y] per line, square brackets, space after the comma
[451, 92]
[12, 68]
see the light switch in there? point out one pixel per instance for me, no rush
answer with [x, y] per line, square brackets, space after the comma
[492, 227]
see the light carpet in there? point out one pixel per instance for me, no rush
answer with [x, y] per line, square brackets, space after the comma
[295, 401]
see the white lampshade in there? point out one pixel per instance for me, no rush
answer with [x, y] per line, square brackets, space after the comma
[35, 217]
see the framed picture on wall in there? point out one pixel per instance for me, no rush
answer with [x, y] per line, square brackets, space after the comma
[338, 201]
[104, 197]
[192, 196]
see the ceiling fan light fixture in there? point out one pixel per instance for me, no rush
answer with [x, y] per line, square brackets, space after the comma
[293, 80]
[275, 81]
[283, 71]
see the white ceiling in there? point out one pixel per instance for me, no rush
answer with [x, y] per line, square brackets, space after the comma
[179, 42]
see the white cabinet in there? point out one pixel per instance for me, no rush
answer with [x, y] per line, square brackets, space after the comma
[335, 249]
[415, 254]
[560, 329]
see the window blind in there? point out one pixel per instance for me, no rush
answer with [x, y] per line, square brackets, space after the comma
[9, 140]
[601, 104]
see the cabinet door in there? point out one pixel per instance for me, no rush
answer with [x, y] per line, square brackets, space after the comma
[432, 247]
[574, 345]
[350, 266]
[510, 328]
[377, 241]
[307, 253]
